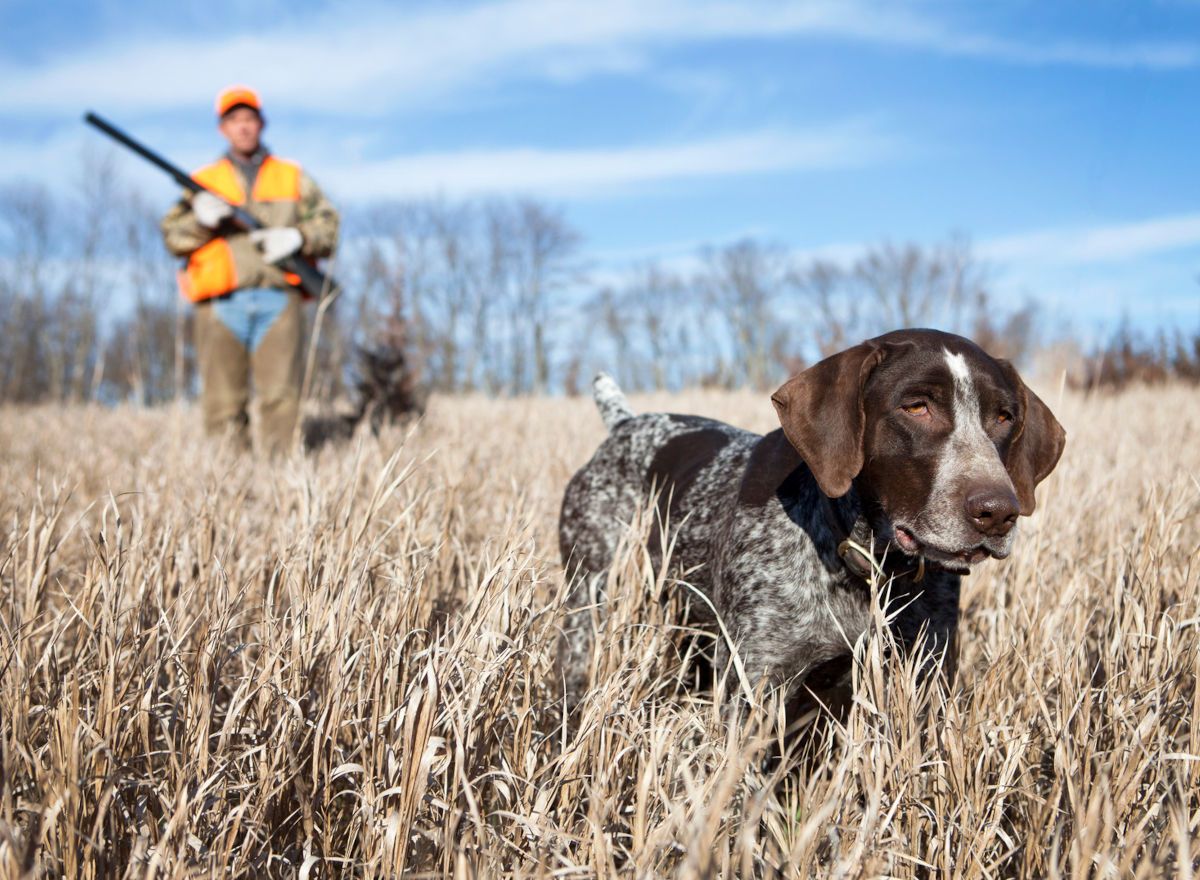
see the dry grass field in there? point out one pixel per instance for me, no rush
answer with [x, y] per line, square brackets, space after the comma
[343, 666]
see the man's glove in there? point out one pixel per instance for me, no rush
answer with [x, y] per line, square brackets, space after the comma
[209, 210]
[277, 242]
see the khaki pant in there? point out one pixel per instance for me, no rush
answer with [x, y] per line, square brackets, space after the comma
[225, 369]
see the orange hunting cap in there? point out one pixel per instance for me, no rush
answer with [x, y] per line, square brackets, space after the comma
[237, 96]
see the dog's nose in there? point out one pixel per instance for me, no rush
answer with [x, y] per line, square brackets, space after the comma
[993, 511]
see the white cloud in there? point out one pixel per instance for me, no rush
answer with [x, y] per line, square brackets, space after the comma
[606, 172]
[1154, 56]
[1062, 248]
[368, 58]
[346, 172]
[60, 160]
[1110, 243]
[1104, 262]
[360, 58]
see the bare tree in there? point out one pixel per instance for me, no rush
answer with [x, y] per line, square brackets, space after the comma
[474, 295]
[607, 309]
[646, 323]
[544, 247]
[892, 287]
[28, 217]
[740, 282]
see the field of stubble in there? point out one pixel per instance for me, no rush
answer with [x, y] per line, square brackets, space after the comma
[344, 666]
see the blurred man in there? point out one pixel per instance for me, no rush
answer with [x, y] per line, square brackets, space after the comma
[249, 315]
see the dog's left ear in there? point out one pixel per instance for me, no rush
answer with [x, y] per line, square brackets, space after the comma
[1037, 446]
[821, 411]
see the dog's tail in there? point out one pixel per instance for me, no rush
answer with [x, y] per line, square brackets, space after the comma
[610, 400]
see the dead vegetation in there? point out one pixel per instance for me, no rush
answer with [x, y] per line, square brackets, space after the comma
[343, 666]
[1129, 359]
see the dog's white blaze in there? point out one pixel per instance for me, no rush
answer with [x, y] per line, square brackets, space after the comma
[969, 455]
[958, 369]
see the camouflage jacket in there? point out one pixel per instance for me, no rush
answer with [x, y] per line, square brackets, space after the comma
[313, 215]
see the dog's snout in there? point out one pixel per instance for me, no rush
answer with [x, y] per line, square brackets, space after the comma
[992, 510]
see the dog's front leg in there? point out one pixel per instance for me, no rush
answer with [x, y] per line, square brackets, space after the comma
[584, 611]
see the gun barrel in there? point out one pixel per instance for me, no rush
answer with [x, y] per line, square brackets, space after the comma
[181, 177]
[312, 280]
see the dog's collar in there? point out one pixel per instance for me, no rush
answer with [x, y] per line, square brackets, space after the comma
[861, 563]
[856, 553]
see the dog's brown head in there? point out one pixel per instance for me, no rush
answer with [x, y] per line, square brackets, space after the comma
[945, 441]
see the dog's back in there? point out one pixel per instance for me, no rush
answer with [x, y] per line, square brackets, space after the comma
[688, 462]
[685, 463]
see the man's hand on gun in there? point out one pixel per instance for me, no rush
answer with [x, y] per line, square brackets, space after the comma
[277, 242]
[274, 242]
[210, 210]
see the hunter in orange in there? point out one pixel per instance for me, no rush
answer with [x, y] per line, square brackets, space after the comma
[249, 316]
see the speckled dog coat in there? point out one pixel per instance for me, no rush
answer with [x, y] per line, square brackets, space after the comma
[911, 454]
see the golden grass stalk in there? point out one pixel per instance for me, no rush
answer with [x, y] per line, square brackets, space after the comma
[345, 666]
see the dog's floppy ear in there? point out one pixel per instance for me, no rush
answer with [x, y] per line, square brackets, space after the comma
[1037, 446]
[821, 411]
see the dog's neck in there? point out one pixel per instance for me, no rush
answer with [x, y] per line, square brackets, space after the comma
[858, 548]
[839, 528]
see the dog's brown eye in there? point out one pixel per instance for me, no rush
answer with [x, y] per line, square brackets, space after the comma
[1004, 417]
[916, 408]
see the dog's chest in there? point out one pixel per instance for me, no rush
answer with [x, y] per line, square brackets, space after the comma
[767, 560]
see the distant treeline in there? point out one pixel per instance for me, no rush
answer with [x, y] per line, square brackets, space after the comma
[1128, 359]
[491, 296]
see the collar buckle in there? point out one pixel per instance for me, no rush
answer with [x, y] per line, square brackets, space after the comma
[862, 563]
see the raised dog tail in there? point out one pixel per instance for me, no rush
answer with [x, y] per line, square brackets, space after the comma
[610, 400]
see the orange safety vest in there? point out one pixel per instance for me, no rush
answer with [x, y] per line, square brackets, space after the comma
[211, 270]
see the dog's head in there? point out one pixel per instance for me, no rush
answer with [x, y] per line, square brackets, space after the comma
[946, 442]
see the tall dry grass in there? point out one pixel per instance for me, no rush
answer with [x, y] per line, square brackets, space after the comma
[343, 666]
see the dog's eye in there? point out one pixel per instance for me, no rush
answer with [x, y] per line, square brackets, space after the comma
[1004, 417]
[916, 408]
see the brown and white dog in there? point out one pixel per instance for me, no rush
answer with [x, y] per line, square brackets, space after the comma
[910, 455]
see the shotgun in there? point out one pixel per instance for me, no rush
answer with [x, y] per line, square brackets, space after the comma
[312, 280]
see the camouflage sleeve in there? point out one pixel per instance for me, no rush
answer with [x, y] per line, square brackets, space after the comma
[318, 220]
[181, 232]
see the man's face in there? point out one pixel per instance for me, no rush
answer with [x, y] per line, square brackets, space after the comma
[242, 127]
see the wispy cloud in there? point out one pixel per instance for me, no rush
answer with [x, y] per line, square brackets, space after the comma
[1110, 243]
[347, 171]
[1059, 248]
[1101, 247]
[607, 172]
[367, 58]
[1148, 55]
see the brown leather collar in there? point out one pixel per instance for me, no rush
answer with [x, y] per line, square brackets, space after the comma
[857, 555]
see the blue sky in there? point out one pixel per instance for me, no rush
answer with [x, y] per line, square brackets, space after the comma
[1061, 138]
